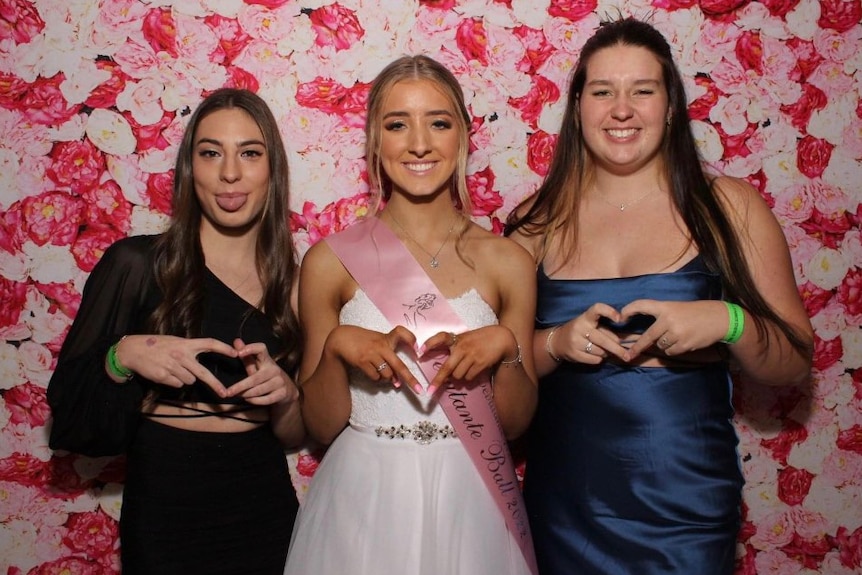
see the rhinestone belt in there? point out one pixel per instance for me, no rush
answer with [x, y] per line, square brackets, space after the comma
[423, 432]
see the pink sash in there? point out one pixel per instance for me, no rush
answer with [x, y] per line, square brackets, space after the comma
[396, 283]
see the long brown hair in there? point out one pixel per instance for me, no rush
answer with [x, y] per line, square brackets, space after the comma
[179, 259]
[553, 210]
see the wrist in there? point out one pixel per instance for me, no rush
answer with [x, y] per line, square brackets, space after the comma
[115, 367]
[548, 349]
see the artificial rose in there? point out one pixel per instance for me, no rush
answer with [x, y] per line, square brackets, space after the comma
[160, 31]
[800, 112]
[105, 94]
[537, 49]
[438, 4]
[52, 217]
[62, 295]
[482, 193]
[43, 102]
[26, 469]
[70, 565]
[90, 245]
[92, 532]
[749, 51]
[27, 403]
[540, 151]
[13, 295]
[807, 58]
[151, 136]
[232, 38]
[717, 8]
[307, 463]
[573, 10]
[812, 156]
[780, 445]
[21, 21]
[808, 552]
[850, 439]
[814, 298]
[840, 15]
[160, 189]
[472, 40]
[336, 26]
[829, 230]
[76, 165]
[322, 93]
[531, 104]
[850, 545]
[700, 108]
[239, 78]
[793, 485]
[779, 8]
[827, 352]
[850, 292]
[105, 205]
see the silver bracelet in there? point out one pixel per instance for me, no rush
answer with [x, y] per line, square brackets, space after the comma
[548, 345]
[518, 359]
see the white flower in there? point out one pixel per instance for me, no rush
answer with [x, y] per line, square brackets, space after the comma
[851, 343]
[827, 268]
[110, 132]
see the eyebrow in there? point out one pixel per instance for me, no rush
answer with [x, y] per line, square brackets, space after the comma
[242, 144]
[403, 114]
[601, 82]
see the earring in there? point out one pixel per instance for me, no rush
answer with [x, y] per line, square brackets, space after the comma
[668, 120]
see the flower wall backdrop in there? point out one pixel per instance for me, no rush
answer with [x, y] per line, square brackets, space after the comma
[94, 96]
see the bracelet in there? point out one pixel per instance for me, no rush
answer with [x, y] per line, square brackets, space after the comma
[518, 359]
[548, 344]
[736, 325]
[114, 365]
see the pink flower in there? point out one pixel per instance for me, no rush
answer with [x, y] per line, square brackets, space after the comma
[808, 552]
[850, 439]
[793, 485]
[25, 469]
[800, 112]
[850, 546]
[536, 47]
[815, 298]
[699, 109]
[76, 165]
[485, 199]
[93, 533]
[69, 565]
[21, 21]
[322, 93]
[807, 58]
[749, 51]
[840, 15]
[43, 102]
[827, 353]
[90, 245]
[239, 78]
[850, 292]
[105, 205]
[160, 188]
[160, 31]
[152, 135]
[307, 463]
[232, 38]
[53, 216]
[780, 445]
[573, 10]
[105, 94]
[336, 26]
[720, 7]
[12, 297]
[780, 8]
[63, 296]
[472, 40]
[540, 150]
[531, 104]
[812, 156]
[27, 404]
[438, 4]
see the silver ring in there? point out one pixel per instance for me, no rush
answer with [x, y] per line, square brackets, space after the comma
[382, 366]
[663, 343]
[589, 347]
[454, 339]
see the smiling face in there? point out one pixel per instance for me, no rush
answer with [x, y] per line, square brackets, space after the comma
[419, 138]
[624, 109]
[230, 170]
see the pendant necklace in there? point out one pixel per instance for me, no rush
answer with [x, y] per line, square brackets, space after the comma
[434, 262]
[623, 206]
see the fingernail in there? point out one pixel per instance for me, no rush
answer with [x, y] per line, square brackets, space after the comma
[432, 389]
[421, 351]
[395, 383]
[418, 389]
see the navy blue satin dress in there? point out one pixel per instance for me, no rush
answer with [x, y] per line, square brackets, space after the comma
[632, 470]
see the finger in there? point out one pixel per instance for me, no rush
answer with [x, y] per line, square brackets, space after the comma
[206, 376]
[648, 339]
[440, 340]
[400, 334]
[212, 345]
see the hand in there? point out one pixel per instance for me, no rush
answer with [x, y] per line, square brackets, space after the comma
[470, 352]
[581, 339]
[374, 354]
[267, 383]
[679, 327]
[171, 360]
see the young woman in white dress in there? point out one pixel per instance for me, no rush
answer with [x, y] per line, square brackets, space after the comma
[396, 492]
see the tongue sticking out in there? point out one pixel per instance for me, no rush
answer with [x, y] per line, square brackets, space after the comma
[231, 202]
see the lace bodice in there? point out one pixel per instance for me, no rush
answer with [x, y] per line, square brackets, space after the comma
[377, 403]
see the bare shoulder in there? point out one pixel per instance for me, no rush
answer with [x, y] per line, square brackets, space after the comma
[321, 268]
[500, 252]
[740, 199]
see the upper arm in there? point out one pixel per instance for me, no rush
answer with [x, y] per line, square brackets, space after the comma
[321, 283]
[765, 248]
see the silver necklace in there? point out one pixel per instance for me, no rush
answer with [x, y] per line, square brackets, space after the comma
[434, 263]
[623, 206]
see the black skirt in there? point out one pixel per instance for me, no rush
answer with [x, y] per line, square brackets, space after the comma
[200, 502]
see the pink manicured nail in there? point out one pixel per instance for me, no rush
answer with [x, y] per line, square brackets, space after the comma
[432, 389]
[418, 389]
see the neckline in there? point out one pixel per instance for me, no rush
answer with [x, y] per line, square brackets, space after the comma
[685, 268]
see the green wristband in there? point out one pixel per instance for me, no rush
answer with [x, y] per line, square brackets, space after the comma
[114, 365]
[736, 323]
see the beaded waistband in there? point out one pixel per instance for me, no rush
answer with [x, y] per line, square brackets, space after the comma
[423, 432]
